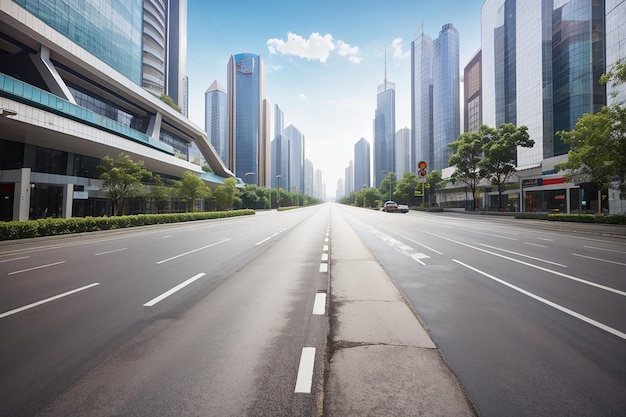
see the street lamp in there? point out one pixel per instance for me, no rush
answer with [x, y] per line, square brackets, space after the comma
[248, 173]
[278, 191]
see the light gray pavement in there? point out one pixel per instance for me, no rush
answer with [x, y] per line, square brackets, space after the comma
[382, 360]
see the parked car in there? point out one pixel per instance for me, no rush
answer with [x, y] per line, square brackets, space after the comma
[390, 206]
[403, 208]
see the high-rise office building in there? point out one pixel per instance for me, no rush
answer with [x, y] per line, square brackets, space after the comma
[71, 81]
[435, 95]
[472, 87]
[615, 44]
[349, 175]
[296, 157]
[177, 82]
[308, 177]
[279, 121]
[384, 131]
[216, 118]
[403, 151]
[362, 163]
[280, 162]
[248, 123]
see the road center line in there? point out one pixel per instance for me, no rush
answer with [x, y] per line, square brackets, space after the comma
[36, 267]
[599, 259]
[305, 370]
[582, 281]
[173, 290]
[14, 259]
[47, 300]
[550, 303]
[192, 251]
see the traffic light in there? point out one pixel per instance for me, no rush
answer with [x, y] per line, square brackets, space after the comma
[421, 169]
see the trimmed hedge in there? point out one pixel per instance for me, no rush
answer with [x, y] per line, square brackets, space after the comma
[51, 226]
[589, 218]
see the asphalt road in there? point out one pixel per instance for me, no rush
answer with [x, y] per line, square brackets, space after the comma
[532, 320]
[207, 318]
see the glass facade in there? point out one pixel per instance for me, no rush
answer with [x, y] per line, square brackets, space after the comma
[472, 86]
[111, 30]
[296, 157]
[615, 44]
[362, 176]
[245, 94]
[216, 118]
[403, 152]
[384, 131]
[154, 45]
[280, 162]
[421, 100]
[446, 95]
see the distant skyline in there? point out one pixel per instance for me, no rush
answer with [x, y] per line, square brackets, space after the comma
[323, 61]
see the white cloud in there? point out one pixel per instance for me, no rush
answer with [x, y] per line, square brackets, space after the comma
[317, 47]
[396, 44]
[352, 52]
[303, 97]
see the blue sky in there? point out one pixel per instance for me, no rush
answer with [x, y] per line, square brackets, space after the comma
[323, 61]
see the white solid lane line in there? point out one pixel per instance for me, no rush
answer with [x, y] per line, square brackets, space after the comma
[14, 259]
[36, 267]
[305, 370]
[550, 303]
[111, 251]
[173, 290]
[47, 300]
[319, 306]
[192, 251]
[599, 259]
[524, 256]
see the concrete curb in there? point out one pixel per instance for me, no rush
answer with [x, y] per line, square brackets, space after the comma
[383, 362]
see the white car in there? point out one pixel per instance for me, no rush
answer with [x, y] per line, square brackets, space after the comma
[403, 208]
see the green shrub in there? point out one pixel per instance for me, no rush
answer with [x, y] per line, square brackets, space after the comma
[53, 226]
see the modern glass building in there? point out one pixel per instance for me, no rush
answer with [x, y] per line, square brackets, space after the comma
[248, 129]
[296, 158]
[435, 95]
[421, 99]
[403, 151]
[362, 161]
[615, 44]
[446, 95]
[71, 92]
[472, 93]
[216, 118]
[384, 131]
[280, 162]
[541, 63]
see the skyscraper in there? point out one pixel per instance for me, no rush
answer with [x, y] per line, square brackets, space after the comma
[384, 130]
[615, 45]
[296, 157]
[216, 118]
[435, 95]
[248, 123]
[403, 151]
[177, 53]
[280, 162]
[472, 87]
[362, 171]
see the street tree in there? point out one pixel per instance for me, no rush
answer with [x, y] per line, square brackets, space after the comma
[405, 188]
[468, 149]
[387, 184]
[434, 182]
[122, 178]
[227, 195]
[500, 153]
[190, 188]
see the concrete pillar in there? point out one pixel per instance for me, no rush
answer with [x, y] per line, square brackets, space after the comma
[68, 199]
[21, 196]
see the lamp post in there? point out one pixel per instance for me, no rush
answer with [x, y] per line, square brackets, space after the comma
[278, 191]
[248, 173]
[363, 192]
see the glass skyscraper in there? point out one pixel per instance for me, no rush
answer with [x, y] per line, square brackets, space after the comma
[403, 151]
[216, 118]
[384, 131]
[362, 172]
[296, 157]
[248, 138]
[435, 95]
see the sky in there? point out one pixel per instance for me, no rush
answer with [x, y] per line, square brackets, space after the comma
[323, 61]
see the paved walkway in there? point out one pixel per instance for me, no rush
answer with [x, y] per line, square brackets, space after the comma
[383, 362]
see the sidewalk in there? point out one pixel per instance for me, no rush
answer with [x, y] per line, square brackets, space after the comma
[383, 362]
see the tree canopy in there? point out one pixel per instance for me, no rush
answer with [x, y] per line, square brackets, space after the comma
[468, 149]
[190, 188]
[122, 178]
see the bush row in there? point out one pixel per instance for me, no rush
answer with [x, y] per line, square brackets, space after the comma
[589, 218]
[54, 226]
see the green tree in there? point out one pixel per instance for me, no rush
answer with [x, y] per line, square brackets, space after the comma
[405, 188]
[500, 153]
[190, 188]
[387, 184]
[226, 195]
[160, 194]
[434, 182]
[122, 178]
[249, 196]
[468, 150]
